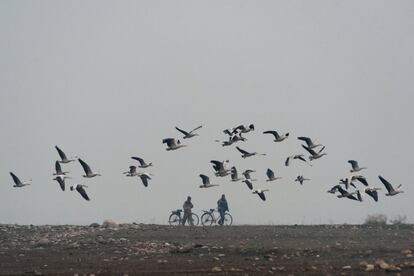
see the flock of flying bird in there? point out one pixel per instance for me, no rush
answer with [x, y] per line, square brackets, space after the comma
[222, 168]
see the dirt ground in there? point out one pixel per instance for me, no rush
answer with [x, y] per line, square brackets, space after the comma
[137, 249]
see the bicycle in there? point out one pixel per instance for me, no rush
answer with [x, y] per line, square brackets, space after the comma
[176, 218]
[208, 218]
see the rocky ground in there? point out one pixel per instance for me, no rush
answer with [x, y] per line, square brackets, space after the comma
[131, 249]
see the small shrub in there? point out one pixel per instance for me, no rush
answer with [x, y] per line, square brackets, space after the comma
[398, 220]
[376, 219]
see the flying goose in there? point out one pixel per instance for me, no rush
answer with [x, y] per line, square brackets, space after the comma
[278, 138]
[390, 189]
[81, 190]
[301, 179]
[334, 189]
[246, 154]
[243, 129]
[132, 171]
[345, 193]
[61, 180]
[271, 175]
[144, 178]
[309, 142]
[18, 183]
[189, 134]
[172, 143]
[58, 169]
[261, 194]
[314, 155]
[87, 169]
[248, 183]
[350, 180]
[355, 167]
[372, 192]
[142, 162]
[220, 167]
[247, 173]
[63, 157]
[234, 175]
[206, 182]
[294, 157]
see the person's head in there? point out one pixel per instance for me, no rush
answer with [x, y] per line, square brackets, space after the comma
[223, 196]
[188, 198]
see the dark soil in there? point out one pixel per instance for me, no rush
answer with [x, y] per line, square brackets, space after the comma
[132, 249]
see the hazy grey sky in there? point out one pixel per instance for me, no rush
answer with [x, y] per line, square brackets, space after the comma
[106, 80]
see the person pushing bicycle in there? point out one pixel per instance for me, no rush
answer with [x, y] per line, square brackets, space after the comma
[187, 206]
[222, 207]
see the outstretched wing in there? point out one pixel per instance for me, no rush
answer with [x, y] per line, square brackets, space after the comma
[353, 163]
[363, 180]
[311, 151]
[262, 196]
[205, 179]
[249, 184]
[287, 162]
[307, 140]
[58, 168]
[270, 174]
[140, 160]
[144, 179]
[372, 193]
[273, 132]
[61, 182]
[61, 153]
[196, 129]
[242, 151]
[82, 192]
[182, 131]
[387, 184]
[217, 165]
[85, 166]
[15, 179]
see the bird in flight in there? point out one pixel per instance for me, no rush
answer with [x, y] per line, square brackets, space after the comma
[390, 188]
[278, 138]
[18, 183]
[87, 169]
[206, 182]
[188, 134]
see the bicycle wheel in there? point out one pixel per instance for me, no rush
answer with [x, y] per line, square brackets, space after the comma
[206, 219]
[228, 219]
[195, 218]
[174, 219]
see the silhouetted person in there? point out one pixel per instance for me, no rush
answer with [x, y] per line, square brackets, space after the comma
[222, 207]
[187, 206]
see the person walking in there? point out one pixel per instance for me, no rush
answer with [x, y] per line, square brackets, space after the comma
[222, 207]
[187, 206]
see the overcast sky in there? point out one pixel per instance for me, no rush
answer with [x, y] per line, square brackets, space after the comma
[106, 80]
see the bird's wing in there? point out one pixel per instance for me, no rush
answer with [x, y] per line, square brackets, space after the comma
[270, 174]
[228, 132]
[58, 167]
[262, 196]
[15, 179]
[217, 165]
[274, 133]
[85, 166]
[132, 169]
[321, 149]
[287, 162]
[240, 127]
[352, 197]
[205, 179]
[140, 160]
[363, 180]
[234, 173]
[242, 151]
[249, 184]
[82, 192]
[372, 193]
[341, 190]
[61, 182]
[144, 179]
[387, 184]
[196, 129]
[169, 141]
[61, 153]
[182, 131]
[353, 163]
[307, 140]
[311, 151]
[300, 157]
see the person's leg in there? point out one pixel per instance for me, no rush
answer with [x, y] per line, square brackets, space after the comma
[190, 219]
[184, 218]
[221, 217]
